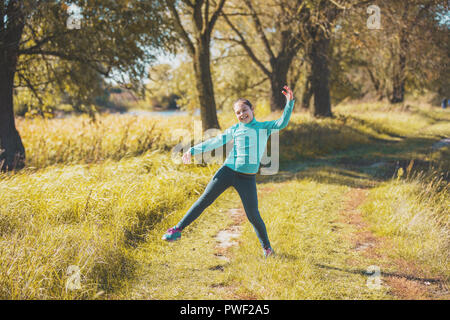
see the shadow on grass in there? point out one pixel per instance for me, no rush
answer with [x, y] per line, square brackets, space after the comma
[383, 274]
[369, 124]
[363, 167]
[432, 115]
[285, 256]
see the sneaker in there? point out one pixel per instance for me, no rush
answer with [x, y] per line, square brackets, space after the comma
[268, 252]
[172, 234]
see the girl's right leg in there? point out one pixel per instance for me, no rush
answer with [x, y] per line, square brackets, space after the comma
[221, 181]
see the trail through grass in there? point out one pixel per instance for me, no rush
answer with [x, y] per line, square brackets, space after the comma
[324, 248]
[363, 189]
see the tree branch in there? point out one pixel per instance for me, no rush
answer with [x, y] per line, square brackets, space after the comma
[31, 87]
[215, 15]
[246, 47]
[259, 29]
[179, 27]
[61, 55]
[43, 41]
[189, 3]
[258, 83]
[197, 18]
[206, 14]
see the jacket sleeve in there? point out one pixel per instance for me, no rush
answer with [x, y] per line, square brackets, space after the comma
[282, 122]
[213, 143]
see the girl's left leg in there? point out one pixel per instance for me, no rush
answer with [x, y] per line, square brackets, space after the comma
[246, 188]
[222, 180]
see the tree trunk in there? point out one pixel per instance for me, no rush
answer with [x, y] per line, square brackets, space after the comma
[278, 79]
[376, 84]
[205, 87]
[307, 93]
[320, 75]
[398, 82]
[277, 99]
[12, 152]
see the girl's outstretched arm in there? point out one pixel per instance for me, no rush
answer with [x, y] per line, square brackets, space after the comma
[213, 143]
[282, 122]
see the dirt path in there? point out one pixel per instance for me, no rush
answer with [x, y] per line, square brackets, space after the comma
[409, 283]
[441, 144]
[202, 264]
[228, 238]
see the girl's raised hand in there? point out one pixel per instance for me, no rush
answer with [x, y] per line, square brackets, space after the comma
[187, 157]
[288, 93]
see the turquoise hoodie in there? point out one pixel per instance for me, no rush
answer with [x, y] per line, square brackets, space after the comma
[249, 141]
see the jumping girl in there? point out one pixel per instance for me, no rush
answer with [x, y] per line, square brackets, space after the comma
[240, 167]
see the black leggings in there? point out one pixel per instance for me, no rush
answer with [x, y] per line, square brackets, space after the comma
[245, 185]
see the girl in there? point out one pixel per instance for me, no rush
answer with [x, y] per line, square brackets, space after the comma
[240, 167]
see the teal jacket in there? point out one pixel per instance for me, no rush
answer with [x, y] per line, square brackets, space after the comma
[249, 141]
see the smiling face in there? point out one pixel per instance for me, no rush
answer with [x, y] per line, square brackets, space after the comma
[243, 112]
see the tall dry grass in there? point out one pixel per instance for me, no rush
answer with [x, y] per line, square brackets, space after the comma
[87, 216]
[92, 191]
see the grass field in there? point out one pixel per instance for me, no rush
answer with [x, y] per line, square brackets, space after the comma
[362, 189]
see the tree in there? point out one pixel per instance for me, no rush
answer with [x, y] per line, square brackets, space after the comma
[285, 28]
[277, 26]
[408, 20]
[232, 75]
[407, 53]
[235, 77]
[39, 47]
[196, 38]
[11, 23]
[324, 14]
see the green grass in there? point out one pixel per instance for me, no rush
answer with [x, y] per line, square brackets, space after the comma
[84, 215]
[79, 140]
[310, 261]
[301, 217]
[100, 195]
[414, 214]
[188, 268]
